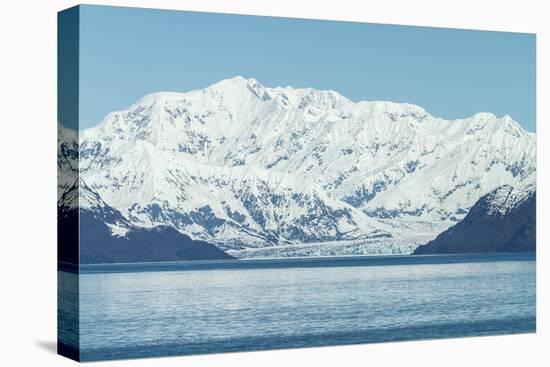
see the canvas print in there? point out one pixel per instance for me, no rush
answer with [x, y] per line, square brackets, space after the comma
[237, 183]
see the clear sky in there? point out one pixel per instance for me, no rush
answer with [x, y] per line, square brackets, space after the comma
[126, 53]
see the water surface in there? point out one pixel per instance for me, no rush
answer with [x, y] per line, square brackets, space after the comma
[136, 310]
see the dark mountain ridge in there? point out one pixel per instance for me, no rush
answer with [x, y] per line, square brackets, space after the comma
[504, 220]
[85, 234]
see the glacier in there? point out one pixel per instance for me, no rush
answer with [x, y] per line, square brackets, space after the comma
[267, 172]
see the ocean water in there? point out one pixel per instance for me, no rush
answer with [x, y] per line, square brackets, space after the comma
[129, 311]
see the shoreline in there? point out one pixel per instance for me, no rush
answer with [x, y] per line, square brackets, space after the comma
[299, 262]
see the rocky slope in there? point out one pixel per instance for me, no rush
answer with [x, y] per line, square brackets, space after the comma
[504, 220]
[94, 232]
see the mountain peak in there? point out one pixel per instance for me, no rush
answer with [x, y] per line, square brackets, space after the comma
[484, 116]
[236, 80]
[229, 85]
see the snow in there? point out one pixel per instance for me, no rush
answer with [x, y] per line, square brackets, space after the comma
[505, 198]
[247, 166]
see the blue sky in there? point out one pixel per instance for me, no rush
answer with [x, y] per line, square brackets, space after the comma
[126, 53]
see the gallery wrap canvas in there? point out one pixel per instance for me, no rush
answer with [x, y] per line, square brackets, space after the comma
[240, 183]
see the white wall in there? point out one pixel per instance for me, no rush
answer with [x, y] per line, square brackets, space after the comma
[28, 182]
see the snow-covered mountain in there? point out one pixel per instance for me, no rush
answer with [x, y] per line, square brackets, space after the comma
[245, 166]
[504, 220]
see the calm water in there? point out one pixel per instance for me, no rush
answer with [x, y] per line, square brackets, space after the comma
[149, 310]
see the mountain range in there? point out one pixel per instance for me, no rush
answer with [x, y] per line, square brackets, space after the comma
[285, 171]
